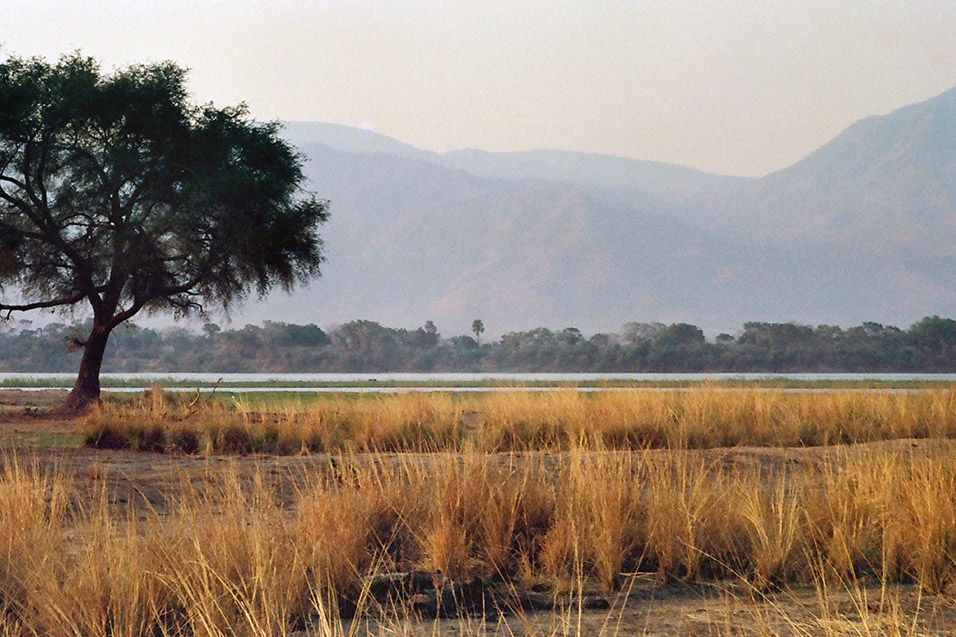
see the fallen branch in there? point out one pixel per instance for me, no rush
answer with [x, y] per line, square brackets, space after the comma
[189, 407]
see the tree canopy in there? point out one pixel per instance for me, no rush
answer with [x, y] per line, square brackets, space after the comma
[117, 192]
[369, 347]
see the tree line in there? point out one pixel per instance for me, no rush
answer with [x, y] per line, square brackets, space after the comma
[929, 345]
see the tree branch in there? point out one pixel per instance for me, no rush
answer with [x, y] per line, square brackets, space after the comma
[129, 312]
[44, 222]
[180, 289]
[42, 304]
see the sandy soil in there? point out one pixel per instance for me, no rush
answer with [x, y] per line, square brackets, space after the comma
[648, 609]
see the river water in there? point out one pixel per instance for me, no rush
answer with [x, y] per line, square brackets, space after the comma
[327, 381]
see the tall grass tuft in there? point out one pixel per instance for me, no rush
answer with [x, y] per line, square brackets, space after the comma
[229, 556]
[526, 421]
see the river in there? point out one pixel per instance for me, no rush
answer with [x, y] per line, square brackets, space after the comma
[366, 382]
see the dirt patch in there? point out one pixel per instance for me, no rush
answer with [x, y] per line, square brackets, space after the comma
[650, 610]
[28, 412]
[39, 398]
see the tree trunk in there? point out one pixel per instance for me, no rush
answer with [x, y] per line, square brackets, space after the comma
[86, 391]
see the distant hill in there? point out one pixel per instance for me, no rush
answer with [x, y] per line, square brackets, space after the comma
[618, 175]
[664, 181]
[351, 140]
[862, 229]
[886, 184]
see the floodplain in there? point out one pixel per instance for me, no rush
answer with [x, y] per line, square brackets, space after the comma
[699, 512]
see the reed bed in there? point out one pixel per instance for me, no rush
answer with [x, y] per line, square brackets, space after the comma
[229, 557]
[523, 421]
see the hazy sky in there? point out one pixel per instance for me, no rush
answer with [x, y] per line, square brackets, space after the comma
[734, 86]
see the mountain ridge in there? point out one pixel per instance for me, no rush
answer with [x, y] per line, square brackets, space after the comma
[897, 171]
[863, 228]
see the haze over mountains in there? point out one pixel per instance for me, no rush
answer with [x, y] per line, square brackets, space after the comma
[862, 229]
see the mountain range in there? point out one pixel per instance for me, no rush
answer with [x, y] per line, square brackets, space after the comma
[864, 228]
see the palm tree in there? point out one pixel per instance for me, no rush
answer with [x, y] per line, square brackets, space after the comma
[478, 328]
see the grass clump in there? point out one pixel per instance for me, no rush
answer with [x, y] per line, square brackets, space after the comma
[698, 418]
[232, 555]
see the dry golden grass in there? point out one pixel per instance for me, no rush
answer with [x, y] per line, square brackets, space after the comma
[228, 557]
[523, 421]
[564, 490]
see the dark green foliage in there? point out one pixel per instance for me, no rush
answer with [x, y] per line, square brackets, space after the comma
[148, 199]
[118, 193]
[425, 337]
[681, 334]
[935, 333]
[290, 335]
[366, 346]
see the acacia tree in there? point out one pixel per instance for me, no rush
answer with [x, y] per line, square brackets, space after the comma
[117, 192]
